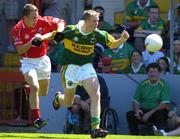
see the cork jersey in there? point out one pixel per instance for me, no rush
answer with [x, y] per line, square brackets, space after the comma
[23, 34]
[79, 47]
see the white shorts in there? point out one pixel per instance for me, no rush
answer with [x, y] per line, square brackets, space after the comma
[42, 66]
[9, 8]
[73, 75]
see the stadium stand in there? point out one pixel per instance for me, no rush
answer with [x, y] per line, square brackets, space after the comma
[119, 16]
[9, 82]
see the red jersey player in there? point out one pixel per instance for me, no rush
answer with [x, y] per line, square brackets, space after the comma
[35, 65]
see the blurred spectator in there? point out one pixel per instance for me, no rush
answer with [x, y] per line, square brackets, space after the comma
[38, 4]
[136, 66]
[163, 62]
[88, 4]
[177, 64]
[153, 24]
[81, 107]
[150, 102]
[103, 25]
[176, 55]
[150, 57]
[175, 119]
[176, 49]
[137, 11]
[176, 29]
[105, 64]
[9, 10]
[69, 10]
[120, 57]
[176, 20]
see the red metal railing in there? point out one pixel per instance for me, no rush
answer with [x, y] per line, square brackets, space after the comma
[12, 102]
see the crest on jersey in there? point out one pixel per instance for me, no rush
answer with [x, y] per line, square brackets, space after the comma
[26, 37]
[16, 39]
[75, 39]
[69, 83]
[55, 20]
[93, 40]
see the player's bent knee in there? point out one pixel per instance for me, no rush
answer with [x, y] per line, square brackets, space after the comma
[34, 88]
[95, 96]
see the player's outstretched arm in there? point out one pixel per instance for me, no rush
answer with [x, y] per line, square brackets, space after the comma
[118, 42]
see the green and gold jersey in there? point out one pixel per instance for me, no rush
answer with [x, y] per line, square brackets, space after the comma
[135, 13]
[149, 95]
[79, 47]
[120, 57]
[145, 25]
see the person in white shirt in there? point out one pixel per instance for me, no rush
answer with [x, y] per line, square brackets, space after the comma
[150, 57]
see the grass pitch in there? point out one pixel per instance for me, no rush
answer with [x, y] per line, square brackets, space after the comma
[72, 136]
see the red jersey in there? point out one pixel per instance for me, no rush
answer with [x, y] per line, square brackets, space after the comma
[23, 34]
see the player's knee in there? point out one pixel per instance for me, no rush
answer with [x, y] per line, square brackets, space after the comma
[34, 88]
[95, 96]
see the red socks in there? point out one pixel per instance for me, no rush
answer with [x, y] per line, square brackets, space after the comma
[35, 113]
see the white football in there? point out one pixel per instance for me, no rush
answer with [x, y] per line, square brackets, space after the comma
[153, 42]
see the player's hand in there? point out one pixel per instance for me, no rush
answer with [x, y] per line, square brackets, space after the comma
[38, 36]
[172, 114]
[125, 35]
[37, 40]
[59, 36]
[145, 117]
[139, 114]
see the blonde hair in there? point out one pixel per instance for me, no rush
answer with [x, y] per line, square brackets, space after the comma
[89, 13]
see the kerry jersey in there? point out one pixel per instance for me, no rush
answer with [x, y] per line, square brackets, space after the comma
[79, 47]
[136, 13]
[150, 96]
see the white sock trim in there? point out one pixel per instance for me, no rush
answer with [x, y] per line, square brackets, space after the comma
[163, 132]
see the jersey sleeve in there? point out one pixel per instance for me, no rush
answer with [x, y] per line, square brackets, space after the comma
[105, 38]
[165, 96]
[137, 95]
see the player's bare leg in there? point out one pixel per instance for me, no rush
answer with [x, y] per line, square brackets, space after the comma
[43, 87]
[32, 80]
[65, 99]
[93, 88]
